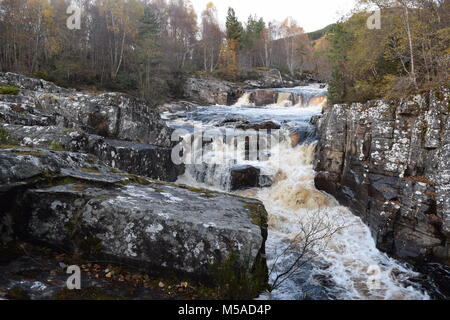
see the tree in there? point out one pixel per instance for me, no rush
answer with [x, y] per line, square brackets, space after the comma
[254, 41]
[295, 43]
[148, 57]
[212, 38]
[235, 30]
[180, 34]
[228, 64]
[316, 231]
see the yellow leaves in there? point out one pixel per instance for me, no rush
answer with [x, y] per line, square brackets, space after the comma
[289, 27]
[228, 58]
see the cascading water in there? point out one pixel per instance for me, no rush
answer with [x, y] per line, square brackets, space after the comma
[314, 95]
[343, 262]
[285, 99]
[244, 100]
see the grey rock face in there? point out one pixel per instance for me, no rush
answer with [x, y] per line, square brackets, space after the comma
[56, 186]
[44, 115]
[146, 160]
[30, 84]
[73, 201]
[141, 159]
[112, 115]
[265, 79]
[211, 91]
[389, 161]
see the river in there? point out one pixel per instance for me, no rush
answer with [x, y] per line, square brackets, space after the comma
[341, 261]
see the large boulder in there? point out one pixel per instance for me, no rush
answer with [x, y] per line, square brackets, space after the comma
[113, 115]
[389, 161]
[73, 201]
[211, 91]
[264, 97]
[263, 78]
[123, 131]
[245, 177]
[30, 84]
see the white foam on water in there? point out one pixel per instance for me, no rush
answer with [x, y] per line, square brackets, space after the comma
[293, 202]
[244, 100]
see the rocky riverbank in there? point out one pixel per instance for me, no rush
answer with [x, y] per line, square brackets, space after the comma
[67, 161]
[389, 161]
[206, 90]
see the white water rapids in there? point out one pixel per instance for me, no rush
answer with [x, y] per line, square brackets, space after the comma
[344, 262]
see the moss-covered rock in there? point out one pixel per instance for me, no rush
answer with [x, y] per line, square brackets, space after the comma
[9, 90]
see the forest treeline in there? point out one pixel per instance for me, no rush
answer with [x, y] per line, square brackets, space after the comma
[408, 52]
[147, 47]
[144, 46]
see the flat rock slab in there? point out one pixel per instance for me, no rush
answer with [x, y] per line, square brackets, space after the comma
[162, 226]
[73, 201]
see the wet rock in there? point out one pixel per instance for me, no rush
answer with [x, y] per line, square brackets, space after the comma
[389, 162]
[232, 122]
[245, 177]
[295, 138]
[265, 125]
[178, 106]
[264, 97]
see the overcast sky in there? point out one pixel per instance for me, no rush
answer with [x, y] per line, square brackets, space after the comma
[310, 14]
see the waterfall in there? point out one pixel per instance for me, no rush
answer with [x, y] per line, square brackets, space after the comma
[345, 263]
[244, 100]
[284, 99]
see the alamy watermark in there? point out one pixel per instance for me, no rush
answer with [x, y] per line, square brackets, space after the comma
[374, 20]
[220, 146]
[74, 21]
[74, 280]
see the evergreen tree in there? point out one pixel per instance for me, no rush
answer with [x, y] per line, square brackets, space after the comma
[235, 30]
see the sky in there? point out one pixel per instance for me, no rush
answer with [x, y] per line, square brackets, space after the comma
[312, 15]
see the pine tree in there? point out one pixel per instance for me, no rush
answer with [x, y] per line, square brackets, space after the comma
[235, 30]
